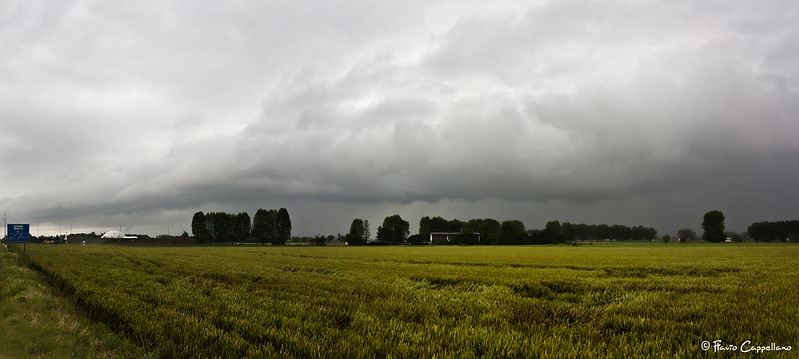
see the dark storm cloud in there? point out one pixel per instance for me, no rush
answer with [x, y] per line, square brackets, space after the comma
[637, 113]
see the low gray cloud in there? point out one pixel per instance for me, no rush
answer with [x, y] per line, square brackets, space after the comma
[636, 113]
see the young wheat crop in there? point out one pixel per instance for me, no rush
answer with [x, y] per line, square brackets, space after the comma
[412, 302]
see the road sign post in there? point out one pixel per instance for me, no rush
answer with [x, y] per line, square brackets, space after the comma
[19, 233]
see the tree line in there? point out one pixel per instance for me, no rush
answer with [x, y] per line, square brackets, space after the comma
[555, 232]
[713, 226]
[273, 226]
[395, 230]
[774, 231]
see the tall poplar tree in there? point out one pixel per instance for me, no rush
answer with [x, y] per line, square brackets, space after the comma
[282, 226]
[713, 225]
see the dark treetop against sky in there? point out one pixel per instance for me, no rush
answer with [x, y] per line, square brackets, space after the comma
[139, 113]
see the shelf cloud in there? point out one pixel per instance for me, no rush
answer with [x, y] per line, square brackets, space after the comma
[653, 112]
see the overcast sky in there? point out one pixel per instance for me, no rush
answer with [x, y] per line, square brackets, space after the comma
[136, 114]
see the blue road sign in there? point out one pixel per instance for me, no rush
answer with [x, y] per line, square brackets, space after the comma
[18, 232]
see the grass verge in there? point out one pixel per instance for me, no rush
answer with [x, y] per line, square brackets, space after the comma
[36, 322]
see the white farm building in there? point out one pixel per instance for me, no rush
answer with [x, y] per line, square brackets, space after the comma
[116, 234]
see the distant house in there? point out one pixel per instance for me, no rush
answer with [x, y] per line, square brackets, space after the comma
[450, 237]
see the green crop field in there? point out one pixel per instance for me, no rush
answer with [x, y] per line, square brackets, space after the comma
[590, 301]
